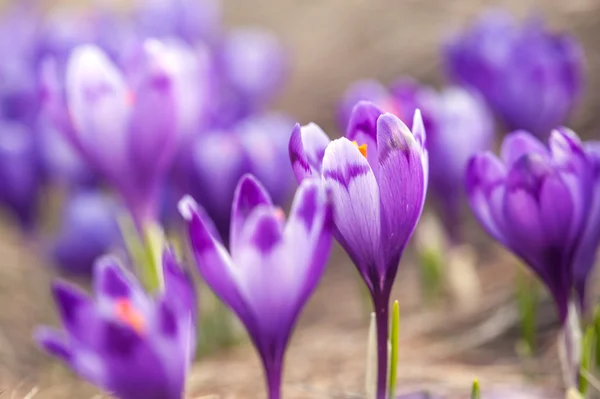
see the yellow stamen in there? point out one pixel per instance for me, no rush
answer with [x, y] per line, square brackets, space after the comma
[362, 148]
[128, 314]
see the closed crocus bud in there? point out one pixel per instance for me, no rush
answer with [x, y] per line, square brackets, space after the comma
[531, 78]
[20, 173]
[88, 230]
[378, 174]
[128, 132]
[124, 341]
[461, 127]
[536, 201]
[273, 265]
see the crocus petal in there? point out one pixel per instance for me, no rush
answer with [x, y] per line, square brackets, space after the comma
[362, 128]
[520, 143]
[485, 188]
[214, 263]
[307, 148]
[53, 342]
[99, 103]
[77, 313]
[357, 205]
[307, 234]
[249, 194]
[402, 184]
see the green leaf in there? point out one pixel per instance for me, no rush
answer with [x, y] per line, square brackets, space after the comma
[587, 353]
[431, 272]
[597, 328]
[395, 332]
[475, 392]
[527, 302]
[145, 251]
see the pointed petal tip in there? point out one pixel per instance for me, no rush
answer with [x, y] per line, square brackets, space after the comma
[187, 207]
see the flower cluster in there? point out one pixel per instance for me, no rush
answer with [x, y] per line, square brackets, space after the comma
[171, 112]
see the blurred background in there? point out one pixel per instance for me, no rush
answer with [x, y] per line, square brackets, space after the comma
[328, 45]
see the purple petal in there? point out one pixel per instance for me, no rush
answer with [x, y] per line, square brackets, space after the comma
[263, 231]
[307, 148]
[363, 90]
[110, 280]
[249, 194]
[77, 313]
[99, 103]
[485, 177]
[402, 185]
[357, 205]
[53, 342]
[362, 128]
[518, 144]
[213, 262]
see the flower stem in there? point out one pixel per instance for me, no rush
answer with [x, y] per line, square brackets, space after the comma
[382, 321]
[273, 374]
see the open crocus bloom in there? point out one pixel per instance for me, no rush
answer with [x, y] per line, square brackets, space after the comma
[378, 174]
[536, 201]
[273, 266]
[124, 341]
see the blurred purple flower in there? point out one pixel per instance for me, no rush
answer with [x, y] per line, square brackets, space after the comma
[530, 77]
[192, 20]
[126, 127]
[461, 126]
[218, 159]
[585, 257]
[274, 266]
[367, 90]
[536, 201]
[126, 342]
[379, 184]
[20, 173]
[88, 230]
[252, 68]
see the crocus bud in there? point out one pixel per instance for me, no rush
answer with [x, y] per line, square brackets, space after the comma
[128, 131]
[88, 230]
[530, 77]
[536, 201]
[20, 173]
[273, 265]
[124, 341]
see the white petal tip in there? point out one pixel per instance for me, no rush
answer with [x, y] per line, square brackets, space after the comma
[187, 207]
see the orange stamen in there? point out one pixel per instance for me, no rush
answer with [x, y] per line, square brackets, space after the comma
[279, 214]
[128, 314]
[362, 148]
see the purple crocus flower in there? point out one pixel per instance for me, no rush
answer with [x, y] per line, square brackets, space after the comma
[590, 239]
[460, 126]
[274, 266]
[379, 184]
[89, 230]
[530, 77]
[124, 341]
[536, 201]
[191, 20]
[20, 173]
[127, 129]
[216, 160]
